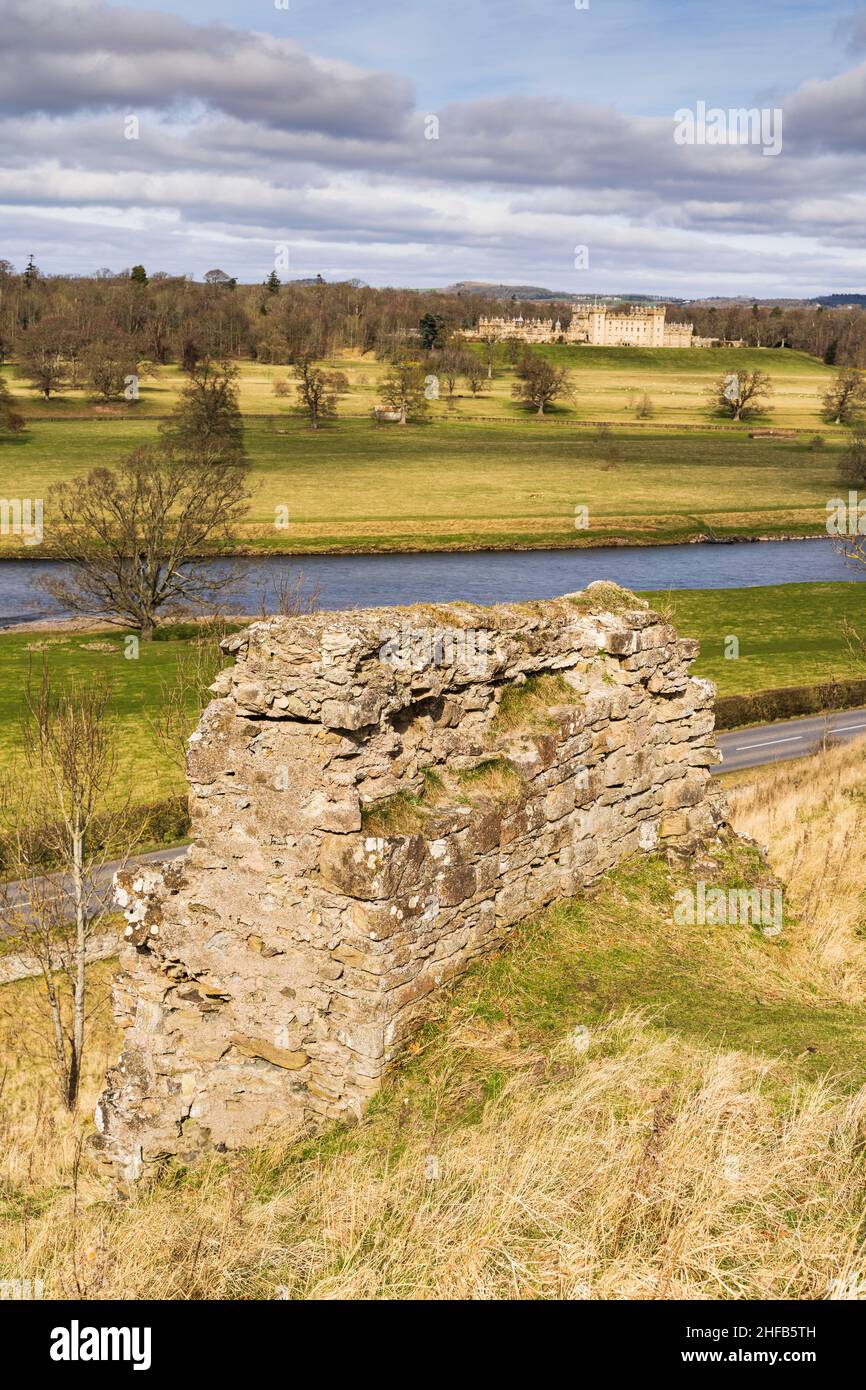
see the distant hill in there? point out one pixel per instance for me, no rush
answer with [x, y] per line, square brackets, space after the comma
[485, 289]
[839, 301]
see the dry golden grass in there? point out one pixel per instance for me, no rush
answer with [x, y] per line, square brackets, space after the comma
[528, 706]
[811, 815]
[546, 1138]
[640, 1169]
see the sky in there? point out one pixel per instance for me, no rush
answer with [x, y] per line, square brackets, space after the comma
[420, 142]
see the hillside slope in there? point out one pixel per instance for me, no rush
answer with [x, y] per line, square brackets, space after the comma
[615, 1107]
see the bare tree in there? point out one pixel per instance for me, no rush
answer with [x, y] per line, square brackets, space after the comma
[318, 391]
[473, 373]
[450, 366]
[45, 356]
[63, 813]
[843, 401]
[740, 394]
[402, 390]
[489, 353]
[133, 537]
[539, 383]
[108, 365]
[206, 424]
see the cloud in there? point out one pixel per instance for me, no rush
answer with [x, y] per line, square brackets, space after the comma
[83, 55]
[247, 141]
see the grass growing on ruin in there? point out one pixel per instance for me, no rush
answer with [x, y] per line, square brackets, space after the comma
[400, 814]
[613, 1107]
[493, 779]
[527, 706]
[407, 813]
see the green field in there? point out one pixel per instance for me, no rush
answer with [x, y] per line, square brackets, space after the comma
[359, 487]
[137, 691]
[789, 634]
[482, 473]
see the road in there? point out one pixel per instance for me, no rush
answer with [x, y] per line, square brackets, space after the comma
[15, 893]
[792, 738]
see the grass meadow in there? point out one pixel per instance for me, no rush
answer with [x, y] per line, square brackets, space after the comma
[480, 472]
[607, 383]
[615, 1106]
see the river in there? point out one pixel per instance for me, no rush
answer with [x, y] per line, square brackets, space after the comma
[361, 581]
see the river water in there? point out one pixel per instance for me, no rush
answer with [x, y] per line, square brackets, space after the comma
[362, 581]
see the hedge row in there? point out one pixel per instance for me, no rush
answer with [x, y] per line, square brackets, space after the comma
[765, 706]
[155, 823]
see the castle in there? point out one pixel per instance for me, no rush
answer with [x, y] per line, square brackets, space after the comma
[638, 326]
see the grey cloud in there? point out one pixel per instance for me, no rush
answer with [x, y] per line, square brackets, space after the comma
[76, 55]
[246, 140]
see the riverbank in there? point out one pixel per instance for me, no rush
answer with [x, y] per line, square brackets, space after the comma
[598, 542]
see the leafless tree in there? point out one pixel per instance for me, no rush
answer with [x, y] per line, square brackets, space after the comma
[473, 373]
[402, 390]
[206, 424]
[108, 365]
[540, 383]
[133, 536]
[318, 391]
[63, 813]
[740, 394]
[843, 402]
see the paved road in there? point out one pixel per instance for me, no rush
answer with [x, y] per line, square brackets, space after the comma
[15, 893]
[792, 738]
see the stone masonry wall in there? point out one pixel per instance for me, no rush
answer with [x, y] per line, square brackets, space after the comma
[377, 798]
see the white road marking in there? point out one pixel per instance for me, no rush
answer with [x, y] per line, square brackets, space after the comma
[747, 747]
[843, 728]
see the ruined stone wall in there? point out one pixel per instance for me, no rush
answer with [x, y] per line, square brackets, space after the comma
[378, 797]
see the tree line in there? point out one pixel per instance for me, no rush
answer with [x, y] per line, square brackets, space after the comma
[71, 330]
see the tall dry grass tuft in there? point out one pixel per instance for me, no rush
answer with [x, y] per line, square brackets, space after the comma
[636, 1168]
[811, 815]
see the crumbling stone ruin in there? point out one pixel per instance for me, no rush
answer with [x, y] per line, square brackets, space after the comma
[378, 798]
